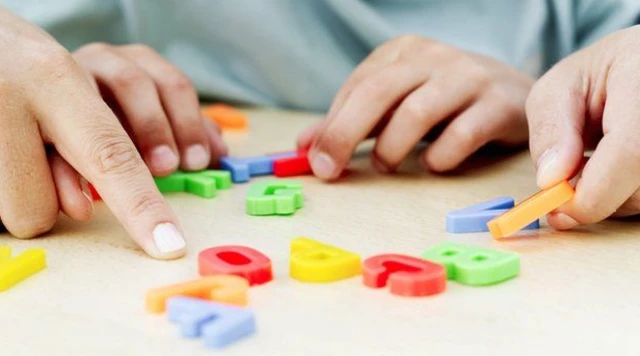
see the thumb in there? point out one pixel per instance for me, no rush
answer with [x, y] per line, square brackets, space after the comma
[556, 113]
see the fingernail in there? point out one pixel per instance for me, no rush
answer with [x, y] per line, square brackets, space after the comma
[323, 165]
[84, 185]
[563, 221]
[197, 157]
[167, 238]
[546, 167]
[163, 158]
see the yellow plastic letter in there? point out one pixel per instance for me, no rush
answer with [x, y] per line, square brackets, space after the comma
[312, 261]
[14, 271]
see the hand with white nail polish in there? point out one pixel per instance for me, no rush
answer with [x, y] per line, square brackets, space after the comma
[590, 101]
[55, 129]
[157, 103]
[410, 87]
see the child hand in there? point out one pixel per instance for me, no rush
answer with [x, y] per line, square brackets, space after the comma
[420, 84]
[156, 103]
[591, 100]
[47, 101]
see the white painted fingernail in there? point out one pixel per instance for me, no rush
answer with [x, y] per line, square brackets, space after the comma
[167, 238]
[197, 157]
[546, 165]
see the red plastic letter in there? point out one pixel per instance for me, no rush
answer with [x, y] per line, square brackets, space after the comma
[406, 276]
[241, 261]
[293, 166]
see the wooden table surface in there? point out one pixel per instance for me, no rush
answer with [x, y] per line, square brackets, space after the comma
[578, 292]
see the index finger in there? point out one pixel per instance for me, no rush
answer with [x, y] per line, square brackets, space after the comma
[364, 108]
[88, 135]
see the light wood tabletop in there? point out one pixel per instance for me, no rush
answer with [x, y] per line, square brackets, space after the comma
[578, 292]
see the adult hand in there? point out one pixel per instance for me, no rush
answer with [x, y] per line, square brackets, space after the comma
[158, 105]
[46, 99]
[590, 100]
[418, 84]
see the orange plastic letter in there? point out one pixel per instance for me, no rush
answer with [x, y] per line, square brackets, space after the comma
[220, 288]
[530, 209]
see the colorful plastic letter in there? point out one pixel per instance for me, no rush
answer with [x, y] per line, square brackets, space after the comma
[473, 265]
[242, 169]
[530, 209]
[218, 324]
[315, 262]
[25, 265]
[407, 276]
[238, 168]
[296, 165]
[202, 183]
[241, 261]
[220, 288]
[475, 218]
[173, 183]
[227, 117]
[221, 178]
[278, 197]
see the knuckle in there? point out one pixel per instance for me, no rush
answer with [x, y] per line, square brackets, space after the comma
[176, 82]
[138, 48]
[113, 153]
[415, 112]
[441, 50]
[128, 75]
[371, 90]
[476, 72]
[409, 40]
[145, 203]
[95, 48]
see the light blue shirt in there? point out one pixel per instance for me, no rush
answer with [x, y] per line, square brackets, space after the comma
[297, 53]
